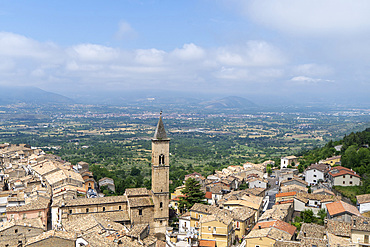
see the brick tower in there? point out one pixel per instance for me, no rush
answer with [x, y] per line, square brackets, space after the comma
[160, 177]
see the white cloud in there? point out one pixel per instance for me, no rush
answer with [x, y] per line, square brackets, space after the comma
[124, 31]
[93, 53]
[305, 79]
[189, 52]
[152, 57]
[311, 69]
[326, 17]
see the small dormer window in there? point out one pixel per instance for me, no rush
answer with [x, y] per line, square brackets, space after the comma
[161, 159]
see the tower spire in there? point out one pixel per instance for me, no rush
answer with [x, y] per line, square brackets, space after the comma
[160, 132]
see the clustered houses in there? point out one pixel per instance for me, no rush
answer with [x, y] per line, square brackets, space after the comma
[45, 201]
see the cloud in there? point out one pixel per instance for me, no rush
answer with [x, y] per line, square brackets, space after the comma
[124, 31]
[189, 52]
[310, 17]
[92, 53]
[305, 79]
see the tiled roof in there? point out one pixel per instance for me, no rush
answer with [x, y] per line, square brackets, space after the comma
[116, 216]
[294, 179]
[360, 223]
[271, 232]
[293, 187]
[207, 243]
[339, 241]
[363, 198]
[310, 230]
[304, 197]
[339, 228]
[39, 204]
[208, 195]
[90, 201]
[277, 212]
[140, 201]
[283, 243]
[277, 224]
[320, 167]
[136, 192]
[36, 223]
[220, 216]
[255, 191]
[323, 191]
[60, 175]
[52, 234]
[340, 170]
[292, 193]
[340, 207]
[242, 214]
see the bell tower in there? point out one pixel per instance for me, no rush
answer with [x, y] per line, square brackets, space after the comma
[160, 177]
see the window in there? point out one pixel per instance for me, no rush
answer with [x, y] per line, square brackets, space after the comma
[24, 216]
[314, 181]
[161, 205]
[344, 176]
[209, 228]
[16, 231]
[314, 176]
[344, 182]
[87, 210]
[366, 239]
[350, 182]
[161, 159]
[350, 176]
[39, 213]
[140, 212]
[103, 209]
[161, 222]
[237, 224]
[70, 211]
[119, 208]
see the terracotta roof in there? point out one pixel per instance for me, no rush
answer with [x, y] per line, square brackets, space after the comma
[277, 224]
[292, 193]
[340, 207]
[283, 243]
[208, 195]
[363, 198]
[340, 170]
[207, 243]
[323, 191]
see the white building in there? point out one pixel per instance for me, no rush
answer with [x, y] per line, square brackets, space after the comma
[257, 183]
[315, 173]
[288, 161]
[341, 176]
[363, 203]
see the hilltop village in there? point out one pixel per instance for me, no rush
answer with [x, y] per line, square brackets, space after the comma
[46, 201]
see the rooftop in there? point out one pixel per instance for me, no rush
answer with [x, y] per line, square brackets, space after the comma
[363, 198]
[340, 207]
[340, 170]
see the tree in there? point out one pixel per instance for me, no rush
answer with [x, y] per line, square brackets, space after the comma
[192, 194]
[307, 216]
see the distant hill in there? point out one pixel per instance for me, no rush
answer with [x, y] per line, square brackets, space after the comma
[233, 102]
[30, 95]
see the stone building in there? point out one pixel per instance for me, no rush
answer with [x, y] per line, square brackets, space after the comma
[137, 205]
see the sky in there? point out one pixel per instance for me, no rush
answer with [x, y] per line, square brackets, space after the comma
[303, 50]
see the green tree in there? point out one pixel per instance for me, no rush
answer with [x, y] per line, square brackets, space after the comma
[192, 194]
[307, 216]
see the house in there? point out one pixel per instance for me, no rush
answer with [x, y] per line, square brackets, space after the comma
[108, 182]
[184, 223]
[288, 161]
[17, 232]
[314, 202]
[285, 196]
[316, 173]
[342, 176]
[268, 232]
[363, 203]
[257, 183]
[341, 211]
[217, 227]
[360, 231]
[331, 161]
[36, 209]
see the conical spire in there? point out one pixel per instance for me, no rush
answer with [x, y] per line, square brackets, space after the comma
[160, 132]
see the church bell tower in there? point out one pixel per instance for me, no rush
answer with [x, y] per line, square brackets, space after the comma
[160, 177]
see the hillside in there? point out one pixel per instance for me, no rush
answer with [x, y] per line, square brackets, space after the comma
[30, 95]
